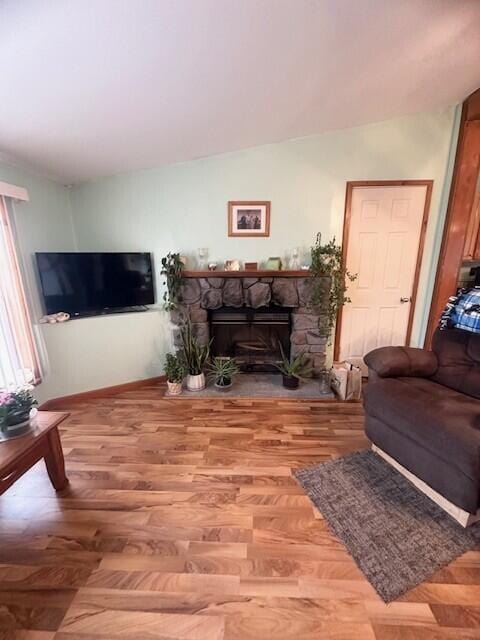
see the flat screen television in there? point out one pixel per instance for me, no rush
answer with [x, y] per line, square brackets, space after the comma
[94, 283]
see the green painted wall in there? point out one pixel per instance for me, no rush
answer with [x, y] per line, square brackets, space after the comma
[88, 353]
[184, 206]
[91, 353]
[42, 224]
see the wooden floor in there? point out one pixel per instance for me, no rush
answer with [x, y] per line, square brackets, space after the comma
[182, 522]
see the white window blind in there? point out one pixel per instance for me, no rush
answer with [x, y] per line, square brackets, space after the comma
[19, 362]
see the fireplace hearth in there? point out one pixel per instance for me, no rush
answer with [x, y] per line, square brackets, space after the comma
[252, 336]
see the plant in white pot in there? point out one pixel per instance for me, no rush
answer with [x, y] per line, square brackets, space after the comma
[15, 409]
[222, 371]
[195, 357]
[175, 372]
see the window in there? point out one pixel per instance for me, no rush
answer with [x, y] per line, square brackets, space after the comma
[18, 355]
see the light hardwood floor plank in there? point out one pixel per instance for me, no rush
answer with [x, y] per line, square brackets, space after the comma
[183, 521]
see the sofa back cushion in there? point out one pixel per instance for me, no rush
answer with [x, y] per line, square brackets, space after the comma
[458, 354]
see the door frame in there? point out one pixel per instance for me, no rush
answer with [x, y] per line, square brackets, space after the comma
[351, 185]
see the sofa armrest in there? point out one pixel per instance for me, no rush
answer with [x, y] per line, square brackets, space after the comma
[392, 362]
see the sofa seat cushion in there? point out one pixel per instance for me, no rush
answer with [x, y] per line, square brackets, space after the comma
[441, 420]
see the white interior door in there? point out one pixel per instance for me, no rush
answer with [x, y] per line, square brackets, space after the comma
[383, 246]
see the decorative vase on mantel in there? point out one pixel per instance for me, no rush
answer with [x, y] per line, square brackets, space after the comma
[196, 382]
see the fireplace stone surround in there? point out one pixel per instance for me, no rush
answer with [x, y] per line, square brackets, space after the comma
[204, 291]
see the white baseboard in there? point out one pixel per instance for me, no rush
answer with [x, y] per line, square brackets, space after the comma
[463, 517]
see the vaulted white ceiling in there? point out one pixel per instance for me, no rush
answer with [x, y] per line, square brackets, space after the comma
[96, 87]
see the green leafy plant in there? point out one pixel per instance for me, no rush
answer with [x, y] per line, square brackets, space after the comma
[223, 370]
[193, 354]
[15, 406]
[327, 262]
[174, 368]
[294, 367]
[172, 270]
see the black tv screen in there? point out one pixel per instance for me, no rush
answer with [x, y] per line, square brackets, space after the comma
[88, 283]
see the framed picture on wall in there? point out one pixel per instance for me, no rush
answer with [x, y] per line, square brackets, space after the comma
[249, 219]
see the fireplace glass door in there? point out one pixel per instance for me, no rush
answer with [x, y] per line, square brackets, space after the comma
[252, 336]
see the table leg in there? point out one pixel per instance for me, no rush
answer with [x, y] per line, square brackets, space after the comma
[54, 460]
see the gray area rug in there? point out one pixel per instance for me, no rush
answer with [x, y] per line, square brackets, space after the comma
[396, 535]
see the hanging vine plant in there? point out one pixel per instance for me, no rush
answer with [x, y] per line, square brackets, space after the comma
[172, 266]
[327, 262]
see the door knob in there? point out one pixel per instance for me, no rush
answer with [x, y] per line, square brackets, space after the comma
[402, 300]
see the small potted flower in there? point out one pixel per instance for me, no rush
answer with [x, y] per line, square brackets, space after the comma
[175, 372]
[195, 357]
[222, 371]
[15, 408]
[293, 370]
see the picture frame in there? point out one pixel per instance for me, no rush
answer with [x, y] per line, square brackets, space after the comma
[249, 218]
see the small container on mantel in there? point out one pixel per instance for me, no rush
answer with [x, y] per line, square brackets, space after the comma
[295, 260]
[232, 265]
[274, 264]
[202, 259]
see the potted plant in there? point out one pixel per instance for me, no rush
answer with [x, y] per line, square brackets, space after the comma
[15, 408]
[293, 370]
[222, 371]
[330, 277]
[195, 357]
[175, 372]
[172, 266]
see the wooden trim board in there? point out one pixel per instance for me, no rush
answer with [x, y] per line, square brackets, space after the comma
[460, 202]
[14, 192]
[463, 517]
[346, 230]
[65, 401]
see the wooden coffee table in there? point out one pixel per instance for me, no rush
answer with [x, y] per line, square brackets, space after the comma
[20, 454]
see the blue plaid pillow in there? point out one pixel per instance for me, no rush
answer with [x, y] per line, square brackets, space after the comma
[465, 313]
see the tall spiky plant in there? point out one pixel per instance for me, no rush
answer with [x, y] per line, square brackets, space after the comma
[296, 367]
[222, 370]
[194, 355]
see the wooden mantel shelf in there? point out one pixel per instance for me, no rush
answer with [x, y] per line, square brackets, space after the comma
[266, 273]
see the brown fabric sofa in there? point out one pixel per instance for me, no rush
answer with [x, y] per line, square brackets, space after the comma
[423, 409]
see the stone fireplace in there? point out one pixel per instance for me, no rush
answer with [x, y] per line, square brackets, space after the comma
[257, 297]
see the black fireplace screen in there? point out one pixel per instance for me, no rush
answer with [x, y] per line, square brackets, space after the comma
[252, 336]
